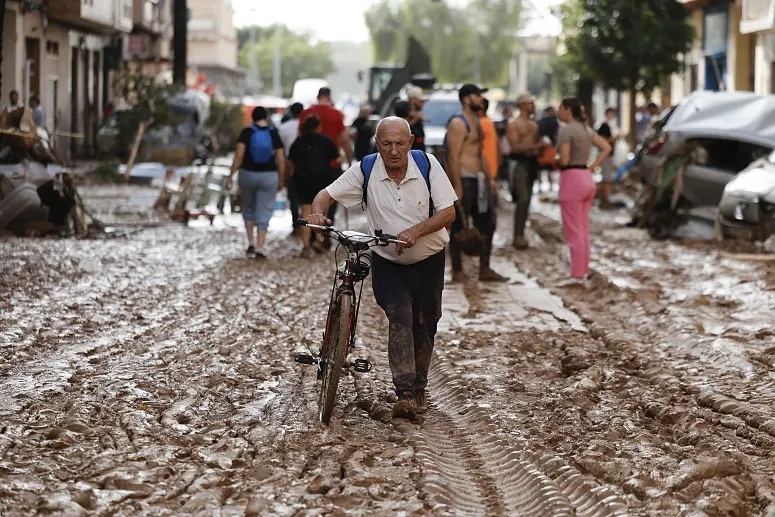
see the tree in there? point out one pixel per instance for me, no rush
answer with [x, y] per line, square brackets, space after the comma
[148, 101]
[383, 22]
[500, 21]
[629, 46]
[449, 35]
[300, 57]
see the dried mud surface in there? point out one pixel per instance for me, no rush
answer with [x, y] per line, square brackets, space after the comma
[154, 375]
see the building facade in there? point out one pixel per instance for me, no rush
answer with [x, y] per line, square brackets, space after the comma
[732, 50]
[148, 48]
[62, 53]
[213, 47]
[758, 21]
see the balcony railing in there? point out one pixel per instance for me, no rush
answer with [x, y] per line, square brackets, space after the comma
[95, 15]
[758, 16]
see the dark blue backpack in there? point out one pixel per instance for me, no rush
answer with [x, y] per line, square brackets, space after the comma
[419, 157]
[442, 158]
[261, 146]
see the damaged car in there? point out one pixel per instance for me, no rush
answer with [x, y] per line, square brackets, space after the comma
[747, 207]
[707, 141]
[734, 128]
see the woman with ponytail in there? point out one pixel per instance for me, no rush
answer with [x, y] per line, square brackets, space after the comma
[577, 186]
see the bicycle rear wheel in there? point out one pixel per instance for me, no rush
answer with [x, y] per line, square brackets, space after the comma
[336, 346]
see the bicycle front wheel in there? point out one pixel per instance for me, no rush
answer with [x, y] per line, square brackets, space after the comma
[335, 347]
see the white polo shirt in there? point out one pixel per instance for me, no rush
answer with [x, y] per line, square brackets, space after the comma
[395, 208]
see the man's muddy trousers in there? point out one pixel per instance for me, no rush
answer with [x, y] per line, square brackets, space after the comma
[410, 295]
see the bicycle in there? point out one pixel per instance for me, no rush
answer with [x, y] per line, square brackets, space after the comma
[343, 310]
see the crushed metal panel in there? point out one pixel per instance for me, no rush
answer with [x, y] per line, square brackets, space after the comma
[755, 182]
[731, 115]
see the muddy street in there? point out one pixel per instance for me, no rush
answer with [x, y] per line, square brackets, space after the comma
[154, 375]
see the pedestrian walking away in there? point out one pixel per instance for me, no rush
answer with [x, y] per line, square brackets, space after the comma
[523, 171]
[289, 131]
[407, 194]
[260, 160]
[333, 126]
[577, 186]
[312, 164]
[470, 174]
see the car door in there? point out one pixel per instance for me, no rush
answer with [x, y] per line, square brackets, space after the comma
[704, 185]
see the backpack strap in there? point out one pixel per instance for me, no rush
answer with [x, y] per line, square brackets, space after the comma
[367, 164]
[465, 121]
[420, 159]
[424, 164]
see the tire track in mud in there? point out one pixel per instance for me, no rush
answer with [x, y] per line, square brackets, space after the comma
[472, 471]
[203, 409]
[687, 402]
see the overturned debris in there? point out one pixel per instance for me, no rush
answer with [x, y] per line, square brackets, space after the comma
[37, 194]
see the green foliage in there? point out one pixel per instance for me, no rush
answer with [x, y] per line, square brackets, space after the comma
[565, 76]
[226, 123]
[626, 45]
[449, 35]
[148, 101]
[300, 57]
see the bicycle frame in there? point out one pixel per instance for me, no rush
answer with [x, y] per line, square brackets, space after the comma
[344, 283]
[354, 269]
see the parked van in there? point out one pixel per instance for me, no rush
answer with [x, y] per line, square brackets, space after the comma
[305, 91]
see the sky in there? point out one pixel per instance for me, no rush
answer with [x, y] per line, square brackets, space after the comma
[333, 20]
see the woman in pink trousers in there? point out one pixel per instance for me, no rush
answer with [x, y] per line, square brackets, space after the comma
[577, 186]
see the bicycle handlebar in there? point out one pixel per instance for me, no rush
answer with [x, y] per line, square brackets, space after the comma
[381, 237]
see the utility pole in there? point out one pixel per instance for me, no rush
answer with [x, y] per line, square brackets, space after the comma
[254, 73]
[277, 63]
[477, 57]
[180, 42]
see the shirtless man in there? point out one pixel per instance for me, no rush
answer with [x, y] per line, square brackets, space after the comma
[522, 133]
[468, 171]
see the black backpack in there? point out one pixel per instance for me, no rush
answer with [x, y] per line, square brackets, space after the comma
[310, 164]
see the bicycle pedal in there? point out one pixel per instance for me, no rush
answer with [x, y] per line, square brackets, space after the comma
[362, 366]
[305, 359]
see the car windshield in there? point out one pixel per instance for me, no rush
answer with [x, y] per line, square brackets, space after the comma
[665, 115]
[438, 112]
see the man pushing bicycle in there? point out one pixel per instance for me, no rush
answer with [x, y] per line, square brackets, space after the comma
[408, 194]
